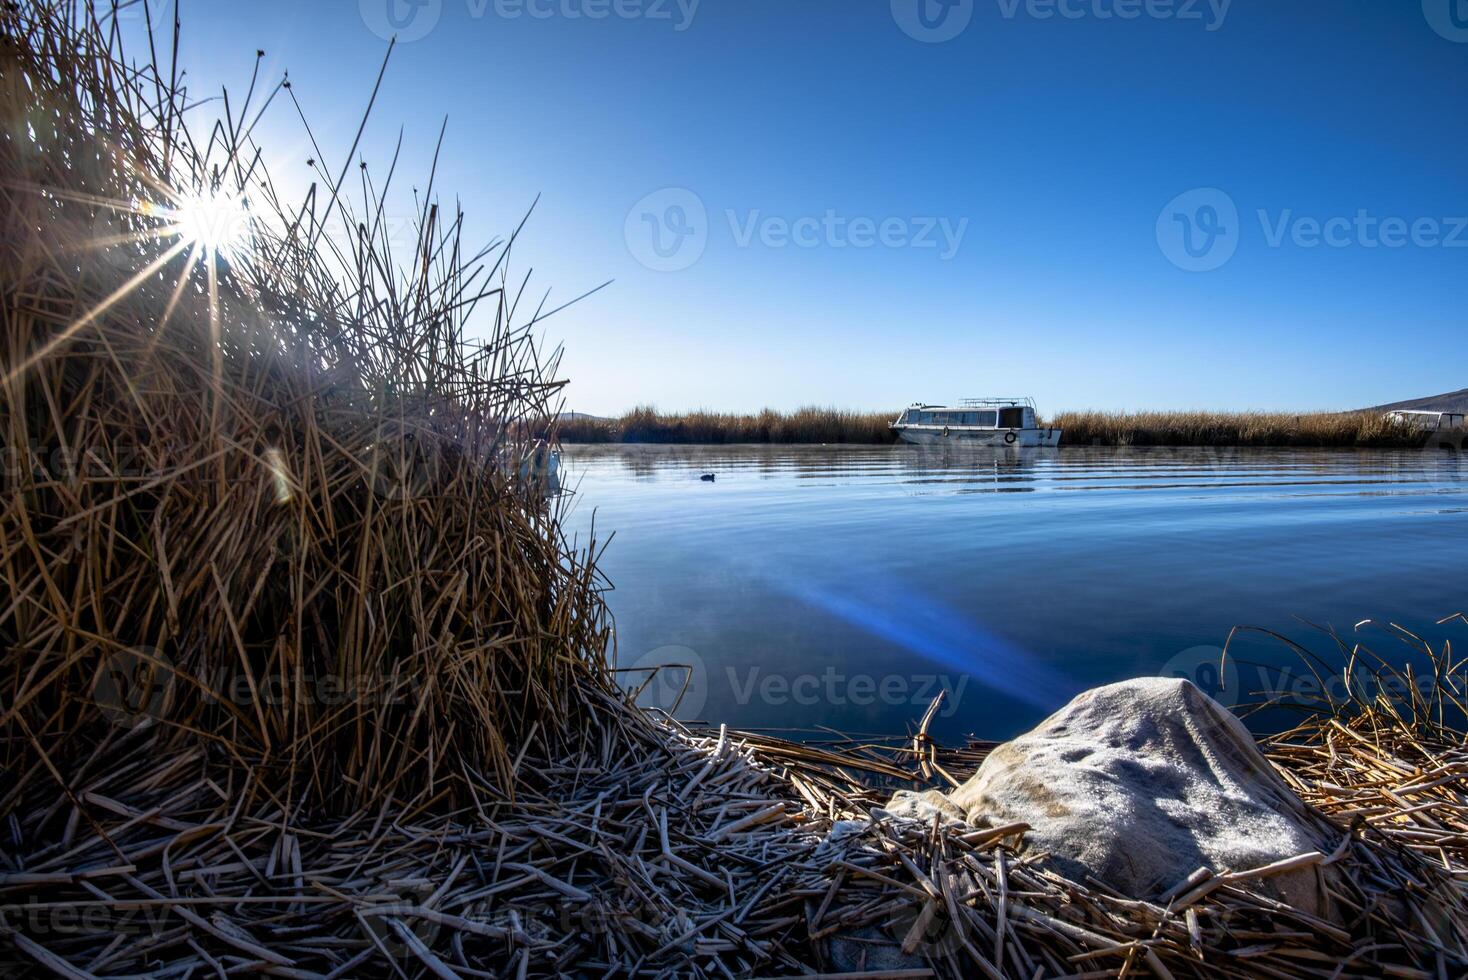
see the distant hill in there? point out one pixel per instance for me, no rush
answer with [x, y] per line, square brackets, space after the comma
[581, 417]
[1453, 401]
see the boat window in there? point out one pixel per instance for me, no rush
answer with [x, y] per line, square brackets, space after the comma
[1011, 418]
[986, 419]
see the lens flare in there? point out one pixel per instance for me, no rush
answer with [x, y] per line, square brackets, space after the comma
[218, 223]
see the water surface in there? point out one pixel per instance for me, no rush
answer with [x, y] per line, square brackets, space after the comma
[846, 586]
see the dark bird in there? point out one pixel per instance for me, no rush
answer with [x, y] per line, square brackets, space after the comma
[707, 478]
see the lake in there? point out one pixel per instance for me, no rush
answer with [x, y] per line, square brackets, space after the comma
[811, 586]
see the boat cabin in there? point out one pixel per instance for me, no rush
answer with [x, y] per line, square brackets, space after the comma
[971, 416]
[1427, 421]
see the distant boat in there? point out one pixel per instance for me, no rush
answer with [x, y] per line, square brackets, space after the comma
[540, 467]
[976, 422]
[1444, 430]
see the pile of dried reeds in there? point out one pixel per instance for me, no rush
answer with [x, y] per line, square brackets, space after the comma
[300, 676]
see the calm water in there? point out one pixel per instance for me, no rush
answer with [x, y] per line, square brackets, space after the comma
[845, 587]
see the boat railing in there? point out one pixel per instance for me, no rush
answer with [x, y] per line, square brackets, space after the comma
[991, 402]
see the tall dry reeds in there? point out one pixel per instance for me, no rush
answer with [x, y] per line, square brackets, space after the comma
[818, 425]
[259, 483]
[811, 424]
[1318, 429]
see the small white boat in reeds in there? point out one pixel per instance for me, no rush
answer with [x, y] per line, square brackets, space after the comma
[1440, 430]
[1002, 422]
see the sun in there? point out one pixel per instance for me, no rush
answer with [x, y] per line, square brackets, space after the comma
[218, 224]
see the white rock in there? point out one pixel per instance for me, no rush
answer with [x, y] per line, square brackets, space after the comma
[1141, 783]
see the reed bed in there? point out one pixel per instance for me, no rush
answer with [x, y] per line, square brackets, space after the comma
[1317, 430]
[817, 425]
[300, 676]
[805, 425]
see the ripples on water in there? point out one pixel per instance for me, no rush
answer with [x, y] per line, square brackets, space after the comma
[847, 586]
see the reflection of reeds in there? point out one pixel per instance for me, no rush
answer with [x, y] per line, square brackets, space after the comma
[824, 425]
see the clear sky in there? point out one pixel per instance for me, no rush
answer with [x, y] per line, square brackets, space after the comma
[826, 202]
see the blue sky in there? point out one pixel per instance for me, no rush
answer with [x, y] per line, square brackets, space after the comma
[852, 212]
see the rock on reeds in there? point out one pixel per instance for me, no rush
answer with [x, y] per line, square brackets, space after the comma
[1139, 784]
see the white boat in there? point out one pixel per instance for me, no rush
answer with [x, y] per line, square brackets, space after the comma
[1004, 422]
[1444, 430]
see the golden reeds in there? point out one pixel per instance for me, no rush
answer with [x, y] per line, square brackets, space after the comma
[279, 482]
[821, 425]
[806, 425]
[1316, 429]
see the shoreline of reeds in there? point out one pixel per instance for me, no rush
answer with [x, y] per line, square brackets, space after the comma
[815, 425]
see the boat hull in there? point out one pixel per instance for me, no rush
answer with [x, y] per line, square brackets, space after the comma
[937, 435]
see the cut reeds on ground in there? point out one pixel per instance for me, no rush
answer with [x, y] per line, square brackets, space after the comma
[300, 676]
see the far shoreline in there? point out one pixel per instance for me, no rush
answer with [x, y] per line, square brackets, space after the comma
[828, 426]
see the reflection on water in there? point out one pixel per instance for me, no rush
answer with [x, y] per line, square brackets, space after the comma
[849, 586]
